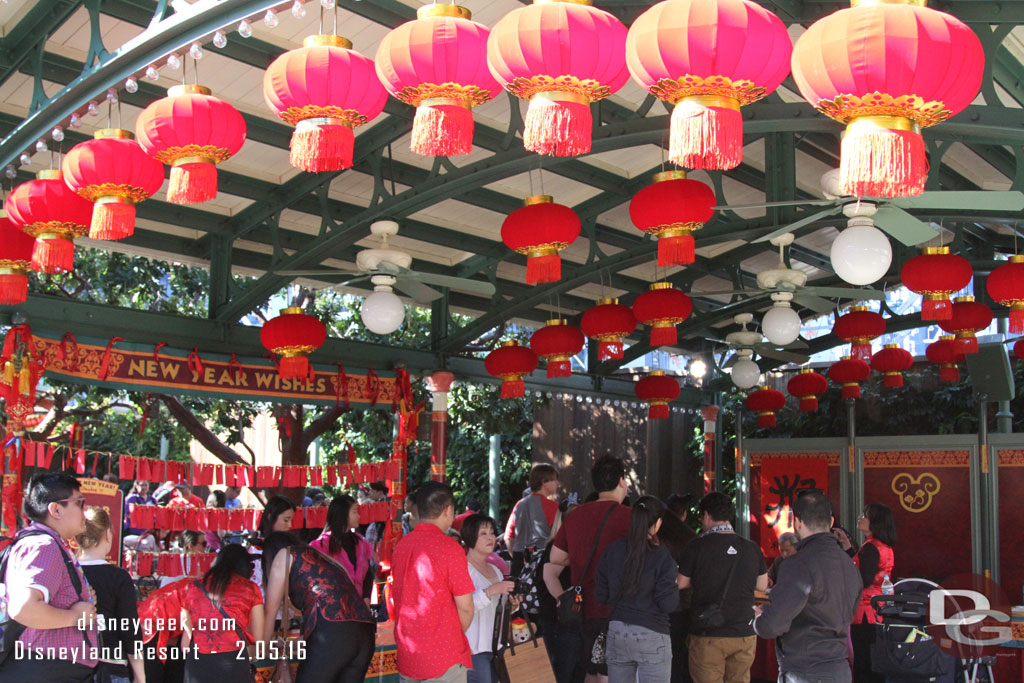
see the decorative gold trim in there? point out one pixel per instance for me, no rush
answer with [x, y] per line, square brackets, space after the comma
[113, 134]
[510, 342]
[293, 351]
[56, 230]
[805, 371]
[572, 2]
[112, 193]
[538, 250]
[188, 89]
[660, 285]
[8, 267]
[291, 310]
[1017, 258]
[963, 299]
[847, 108]
[858, 309]
[606, 301]
[192, 154]
[538, 199]
[526, 88]
[868, 3]
[675, 174]
[915, 493]
[327, 40]
[890, 346]
[656, 373]
[443, 10]
[557, 322]
[350, 117]
[732, 94]
[50, 174]
[444, 101]
[464, 95]
[875, 122]
[674, 229]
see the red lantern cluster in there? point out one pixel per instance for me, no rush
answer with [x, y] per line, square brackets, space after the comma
[849, 373]
[47, 209]
[765, 403]
[15, 261]
[947, 356]
[657, 390]
[293, 335]
[935, 274]
[858, 327]
[557, 342]
[892, 361]
[670, 209]
[807, 385]
[608, 322]
[114, 173]
[969, 317]
[1006, 286]
[540, 230]
[662, 307]
[510, 362]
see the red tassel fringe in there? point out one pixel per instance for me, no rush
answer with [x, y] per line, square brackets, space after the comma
[675, 251]
[705, 137]
[442, 130]
[766, 420]
[949, 373]
[55, 255]
[296, 367]
[324, 147]
[657, 412]
[966, 344]
[192, 183]
[664, 336]
[546, 268]
[880, 162]
[561, 129]
[112, 221]
[1017, 321]
[862, 351]
[809, 404]
[13, 289]
[513, 388]
[559, 368]
[609, 350]
[936, 309]
[851, 391]
[893, 380]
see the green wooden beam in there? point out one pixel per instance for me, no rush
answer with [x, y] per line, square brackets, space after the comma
[37, 25]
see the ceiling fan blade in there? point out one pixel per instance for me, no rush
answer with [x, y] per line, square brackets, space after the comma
[787, 356]
[388, 268]
[798, 344]
[806, 220]
[845, 293]
[903, 226]
[323, 272]
[981, 199]
[815, 303]
[460, 283]
[766, 205]
[749, 292]
[733, 359]
[417, 290]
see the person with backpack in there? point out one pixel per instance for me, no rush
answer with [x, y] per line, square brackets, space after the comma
[49, 604]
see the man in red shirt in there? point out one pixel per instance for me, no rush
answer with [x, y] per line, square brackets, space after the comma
[433, 594]
[572, 548]
[472, 507]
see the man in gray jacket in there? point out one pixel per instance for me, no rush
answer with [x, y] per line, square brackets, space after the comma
[814, 600]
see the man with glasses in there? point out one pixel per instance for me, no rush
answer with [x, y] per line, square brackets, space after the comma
[46, 591]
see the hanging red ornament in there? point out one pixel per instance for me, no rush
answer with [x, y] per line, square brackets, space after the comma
[947, 356]
[886, 70]
[707, 59]
[766, 402]
[858, 327]
[1006, 286]
[114, 173]
[849, 372]
[969, 317]
[662, 307]
[324, 89]
[557, 343]
[671, 209]
[807, 385]
[47, 209]
[293, 335]
[191, 131]
[438, 64]
[608, 322]
[657, 390]
[935, 274]
[561, 55]
[510, 362]
[540, 230]
[15, 262]
[892, 361]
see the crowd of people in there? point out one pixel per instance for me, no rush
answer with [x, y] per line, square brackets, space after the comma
[645, 598]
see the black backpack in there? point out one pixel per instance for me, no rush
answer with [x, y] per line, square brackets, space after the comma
[10, 630]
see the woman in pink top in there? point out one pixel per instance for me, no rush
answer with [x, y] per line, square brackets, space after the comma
[344, 545]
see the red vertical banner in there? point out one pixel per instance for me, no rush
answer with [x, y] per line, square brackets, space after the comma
[782, 479]
[108, 496]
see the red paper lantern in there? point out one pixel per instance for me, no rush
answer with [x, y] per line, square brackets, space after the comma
[114, 173]
[511, 362]
[608, 322]
[293, 335]
[858, 327]
[657, 390]
[47, 209]
[969, 318]
[15, 261]
[807, 385]
[1006, 286]
[191, 131]
[324, 89]
[662, 307]
[886, 70]
[708, 57]
[892, 361]
[671, 209]
[849, 373]
[540, 230]
[557, 343]
[561, 56]
[1018, 349]
[947, 356]
[766, 402]
[438, 64]
[935, 274]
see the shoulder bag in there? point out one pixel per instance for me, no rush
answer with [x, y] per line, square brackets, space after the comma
[712, 615]
[570, 602]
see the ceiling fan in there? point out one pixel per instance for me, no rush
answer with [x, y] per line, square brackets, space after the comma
[746, 342]
[385, 266]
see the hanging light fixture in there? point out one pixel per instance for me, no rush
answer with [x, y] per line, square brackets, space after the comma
[765, 403]
[1006, 286]
[935, 274]
[382, 312]
[969, 317]
[849, 372]
[807, 385]
[781, 324]
[860, 254]
[857, 328]
[540, 230]
[608, 322]
[47, 209]
[657, 390]
[662, 307]
[510, 362]
[892, 361]
[745, 373]
[671, 209]
[15, 262]
[557, 342]
[293, 335]
[947, 356]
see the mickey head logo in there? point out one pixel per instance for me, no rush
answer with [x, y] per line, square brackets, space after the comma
[915, 493]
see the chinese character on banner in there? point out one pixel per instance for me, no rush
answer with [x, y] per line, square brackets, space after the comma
[781, 480]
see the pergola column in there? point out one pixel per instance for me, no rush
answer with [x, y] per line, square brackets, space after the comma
[440, 385]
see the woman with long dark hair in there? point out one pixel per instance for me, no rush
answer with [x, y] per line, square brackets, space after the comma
[345, 546]
[876, 560]
[636, 578]
[278, 514]
[222, 616]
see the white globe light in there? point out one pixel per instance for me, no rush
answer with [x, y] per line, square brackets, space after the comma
[382, 312]
[861, 255]
[745, 373]
[781, 324]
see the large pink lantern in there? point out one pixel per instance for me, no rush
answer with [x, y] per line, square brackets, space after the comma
[438, 64]
[708, 57]
[561, 55]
